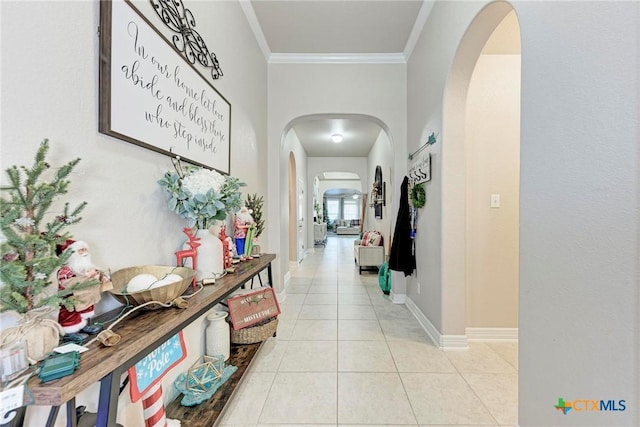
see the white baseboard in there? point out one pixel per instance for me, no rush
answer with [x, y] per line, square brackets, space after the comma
[492, 334]
[398, 298]
[282, 296]
[286, 279]
[444, 342]
[454, 343]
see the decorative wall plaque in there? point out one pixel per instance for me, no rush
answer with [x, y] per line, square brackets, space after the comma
[150, 95]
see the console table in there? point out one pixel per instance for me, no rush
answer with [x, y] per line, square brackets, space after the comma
[141, 333]
[320, 233]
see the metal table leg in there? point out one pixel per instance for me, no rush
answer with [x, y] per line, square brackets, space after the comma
[108, 400]
[72, 416]
[269, 275]
[53, 414]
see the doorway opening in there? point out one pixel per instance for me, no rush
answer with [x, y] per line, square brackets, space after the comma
[311, 153]
[480, 215]
[492, 146]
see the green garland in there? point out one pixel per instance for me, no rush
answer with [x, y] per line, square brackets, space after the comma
[418, 196]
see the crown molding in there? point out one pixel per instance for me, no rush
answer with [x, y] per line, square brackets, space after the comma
[252, 19]
[421, 20]
[337, 58]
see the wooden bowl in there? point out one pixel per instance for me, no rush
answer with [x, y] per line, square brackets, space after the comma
[163, 294]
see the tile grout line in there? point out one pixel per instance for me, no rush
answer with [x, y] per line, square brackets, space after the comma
[472, 389]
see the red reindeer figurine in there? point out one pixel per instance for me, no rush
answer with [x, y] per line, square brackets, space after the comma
[192, 252]
[226, 256]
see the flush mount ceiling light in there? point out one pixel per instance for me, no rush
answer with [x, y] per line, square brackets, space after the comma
[337, 138]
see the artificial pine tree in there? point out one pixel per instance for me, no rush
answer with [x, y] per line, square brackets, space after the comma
[255, 203]
[325, 212]
[30, 235]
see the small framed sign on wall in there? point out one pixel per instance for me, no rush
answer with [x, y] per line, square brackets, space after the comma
[152, 97]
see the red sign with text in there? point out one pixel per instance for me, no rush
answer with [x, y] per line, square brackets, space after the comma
[253, 307]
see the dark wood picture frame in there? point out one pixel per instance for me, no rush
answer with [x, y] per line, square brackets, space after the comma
[151, 96]
[380, 199]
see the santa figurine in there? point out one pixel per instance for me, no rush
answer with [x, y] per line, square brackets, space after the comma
[241, 224]
[76, 270]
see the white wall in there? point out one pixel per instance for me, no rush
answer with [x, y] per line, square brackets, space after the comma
[50, 90]
[580, 197]
[427, 73]
[493, 160]
[579, 208]
[296, 90]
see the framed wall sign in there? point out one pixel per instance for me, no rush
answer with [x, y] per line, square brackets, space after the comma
[421, 171]
[152, 97]
[253, 307]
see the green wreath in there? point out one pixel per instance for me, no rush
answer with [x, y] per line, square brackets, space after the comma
[418, 196]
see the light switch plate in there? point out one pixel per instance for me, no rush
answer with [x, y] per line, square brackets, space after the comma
[495, 200]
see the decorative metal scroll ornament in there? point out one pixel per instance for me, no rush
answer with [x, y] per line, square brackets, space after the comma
[179, 19]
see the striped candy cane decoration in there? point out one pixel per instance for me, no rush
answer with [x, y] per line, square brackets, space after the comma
[153, 407]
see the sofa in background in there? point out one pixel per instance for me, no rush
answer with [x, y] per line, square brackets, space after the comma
[347, 226]
[369, 252]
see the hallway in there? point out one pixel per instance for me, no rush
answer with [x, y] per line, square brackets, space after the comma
[345, 355]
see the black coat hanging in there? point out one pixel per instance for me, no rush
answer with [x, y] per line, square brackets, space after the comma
[401, 256]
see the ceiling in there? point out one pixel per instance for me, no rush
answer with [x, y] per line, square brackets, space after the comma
[346, 26]
[315, 136]
[337, 31]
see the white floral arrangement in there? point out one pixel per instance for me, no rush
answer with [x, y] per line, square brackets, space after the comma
[202, 196]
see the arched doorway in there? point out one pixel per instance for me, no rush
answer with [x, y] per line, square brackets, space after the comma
[309, 165]
[492, 144]
[341, 201]
[462, 238]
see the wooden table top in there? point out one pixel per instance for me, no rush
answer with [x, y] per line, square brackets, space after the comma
[141, 333]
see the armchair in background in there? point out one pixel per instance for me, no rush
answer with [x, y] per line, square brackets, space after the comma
[369, 252]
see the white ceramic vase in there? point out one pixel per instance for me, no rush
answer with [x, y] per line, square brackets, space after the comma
[210, 261]
[218, 335]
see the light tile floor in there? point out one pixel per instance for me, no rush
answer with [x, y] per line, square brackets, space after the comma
[346, 355]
